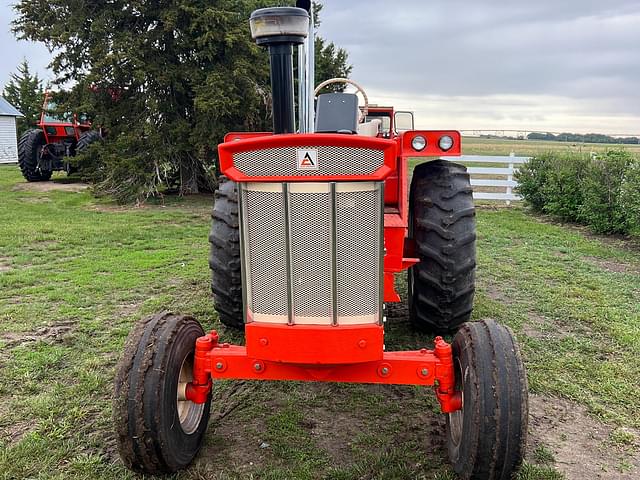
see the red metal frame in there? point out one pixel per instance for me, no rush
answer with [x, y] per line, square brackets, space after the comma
[262, 142]
[432, 149]
[343, 353]
[59, 129]
[328, 363]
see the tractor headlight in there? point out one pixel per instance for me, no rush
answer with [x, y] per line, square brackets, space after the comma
[418, 143]
[445, 142]
[279, 22]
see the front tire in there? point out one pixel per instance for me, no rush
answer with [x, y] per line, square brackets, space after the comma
[156, 431]
[224, 257]
[443, 228]
[487, 437]
[29, 148]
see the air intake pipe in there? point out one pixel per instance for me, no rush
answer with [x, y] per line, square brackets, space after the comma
[279, 29]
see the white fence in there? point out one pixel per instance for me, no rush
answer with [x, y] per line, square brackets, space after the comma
[493, 183]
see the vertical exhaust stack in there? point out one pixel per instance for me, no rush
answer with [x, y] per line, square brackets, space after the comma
[306, 74]
[279, 29]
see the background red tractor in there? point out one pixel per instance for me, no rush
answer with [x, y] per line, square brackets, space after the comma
[309, 230]
[46, 149]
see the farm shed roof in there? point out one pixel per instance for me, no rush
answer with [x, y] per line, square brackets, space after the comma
[9, 110]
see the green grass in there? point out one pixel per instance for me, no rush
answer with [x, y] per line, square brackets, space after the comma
[76, 273]
[578, 298]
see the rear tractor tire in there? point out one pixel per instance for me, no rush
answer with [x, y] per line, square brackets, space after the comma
[156, 431]
[442, 226]
[487, 437]
[86, 139]
[224, 257]
[29, 148]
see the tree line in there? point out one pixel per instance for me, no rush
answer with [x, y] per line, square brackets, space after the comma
[582, 138]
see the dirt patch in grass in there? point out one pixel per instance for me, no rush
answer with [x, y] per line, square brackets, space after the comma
[613, 266]
[535, 327]
[109, 208]
[5, 264]
[582, 446]
[494, 292]
[53, 333]
[127, 309]
[35, 200]
[14, 432]
[15, 300]
[44, 245]
[495, 204]
[239, 436]
[236, 435]
[541, 328]
[50, 187]
[579, 446]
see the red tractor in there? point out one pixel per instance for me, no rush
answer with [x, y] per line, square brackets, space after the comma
[46, 149]
[309, 231]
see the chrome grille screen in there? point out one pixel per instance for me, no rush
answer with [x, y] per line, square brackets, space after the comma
[309, 220]
[312, 252]
[282, 161]
[267, 239]
[358, 257]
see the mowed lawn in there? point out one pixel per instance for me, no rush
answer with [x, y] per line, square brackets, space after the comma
[76, 273]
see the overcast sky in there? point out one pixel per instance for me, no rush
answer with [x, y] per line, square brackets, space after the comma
[568, 65]
[557, 65]
[13, 51]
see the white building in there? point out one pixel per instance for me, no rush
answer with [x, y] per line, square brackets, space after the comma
[8, 136]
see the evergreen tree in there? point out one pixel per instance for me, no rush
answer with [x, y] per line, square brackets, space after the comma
[330, 61]
[166, 78]
[24, 91]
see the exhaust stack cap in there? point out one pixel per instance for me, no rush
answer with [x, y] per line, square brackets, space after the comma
[279, 25]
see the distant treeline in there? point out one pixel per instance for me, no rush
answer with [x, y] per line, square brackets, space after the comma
[580, 138]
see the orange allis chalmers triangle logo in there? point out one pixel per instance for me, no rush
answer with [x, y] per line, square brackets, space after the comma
[307, 159]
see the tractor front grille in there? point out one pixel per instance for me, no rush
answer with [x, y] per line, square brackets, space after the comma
[312, 252]
[282, 161]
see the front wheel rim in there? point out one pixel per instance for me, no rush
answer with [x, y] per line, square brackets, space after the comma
[189, 413]
[456, 419]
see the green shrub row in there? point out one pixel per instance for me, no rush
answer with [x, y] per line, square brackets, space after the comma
[602, 191]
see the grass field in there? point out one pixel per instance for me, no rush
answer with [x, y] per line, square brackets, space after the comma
[76, 273]
[526, 148]
[523, 148]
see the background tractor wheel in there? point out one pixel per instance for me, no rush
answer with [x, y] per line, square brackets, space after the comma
[487, 437]
[156, 432]
[224, 258]
[86, 139]
[29, 148]
[443, 227]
